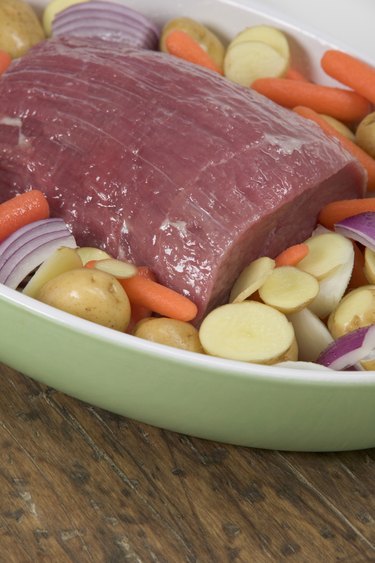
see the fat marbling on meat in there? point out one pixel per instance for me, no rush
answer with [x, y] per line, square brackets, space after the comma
[164, 163]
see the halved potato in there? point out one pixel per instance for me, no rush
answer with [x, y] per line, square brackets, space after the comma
[355, 310]
[312, 335]
[246, 61]
[369, 267]
[171, 332]
[288, 289]
[339, 126]
[60, 261]
[251, 279]
[266, 34]
[247, 331]
[327, 252]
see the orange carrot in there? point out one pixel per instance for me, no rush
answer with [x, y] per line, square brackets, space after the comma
[338, 210]
[158, 298]
[139, 312]
[182, 45]
[364, 158]
[339, 103]
[350, 71]
[5, 60]
[294, 74]
[22, 210]
[292, 255]
[358, 278]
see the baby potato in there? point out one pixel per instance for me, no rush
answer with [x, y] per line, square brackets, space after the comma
[171, 332]
[206, 39]
[90, 294]
[365, 134]
[20, 27]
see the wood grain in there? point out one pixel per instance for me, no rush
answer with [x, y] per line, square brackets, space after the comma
[81, 484]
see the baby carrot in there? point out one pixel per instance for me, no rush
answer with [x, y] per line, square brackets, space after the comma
[182, 45]
[339, 103]
[158, 298]
[338, 210]
[364, 158]
[22, 210]
[292, 255]
[139, 312]
[5, 60]
[294, 74]
[350, 71]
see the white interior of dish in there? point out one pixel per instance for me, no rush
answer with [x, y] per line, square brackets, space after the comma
[226, 18]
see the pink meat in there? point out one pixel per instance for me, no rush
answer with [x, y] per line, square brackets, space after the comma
[164, 163]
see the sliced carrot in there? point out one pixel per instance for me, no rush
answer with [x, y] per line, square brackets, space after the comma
[364, 158]
[338, 210]
[350, 71]
[358, 278]
[183, 46]
[339, 103]
[158, 298]
[294, 74]
[5, 60]
[292, 255]
[22, 210]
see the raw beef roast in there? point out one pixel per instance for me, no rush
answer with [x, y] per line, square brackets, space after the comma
[164, 163]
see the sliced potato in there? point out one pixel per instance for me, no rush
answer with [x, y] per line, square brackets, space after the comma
[248, 60]
[171, 332]
[288, 289]
[339, 126]
[205, 37]
[327, 252]
[266, 34]
[62, 260]
[117, 268]
[251, 279]
[355, 310]
[247, 331]
[88, 253]
[311, 333]
[365, 134]
[369, 267]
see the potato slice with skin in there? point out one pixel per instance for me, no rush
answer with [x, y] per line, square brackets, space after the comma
[369, 268]
[355, 310]
[288, 289]
[247, 331]
[251, 279]
[62, 260]
[327, 252]
[171, 332]
[88, 253]
[311, 333]
[266, 34]
[246, 61]
[206, 38]
[117, 268]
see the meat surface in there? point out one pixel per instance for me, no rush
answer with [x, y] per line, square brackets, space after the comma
[164, 163]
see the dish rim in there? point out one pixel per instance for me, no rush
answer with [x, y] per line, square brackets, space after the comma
[233, 368]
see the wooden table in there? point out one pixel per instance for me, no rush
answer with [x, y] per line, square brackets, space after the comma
[80, 484]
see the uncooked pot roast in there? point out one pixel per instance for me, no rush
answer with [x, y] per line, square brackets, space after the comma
[165, 163]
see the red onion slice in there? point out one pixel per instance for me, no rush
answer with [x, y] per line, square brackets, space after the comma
[350, 349]
[108, 20]
[28, 247]
[360, 228]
